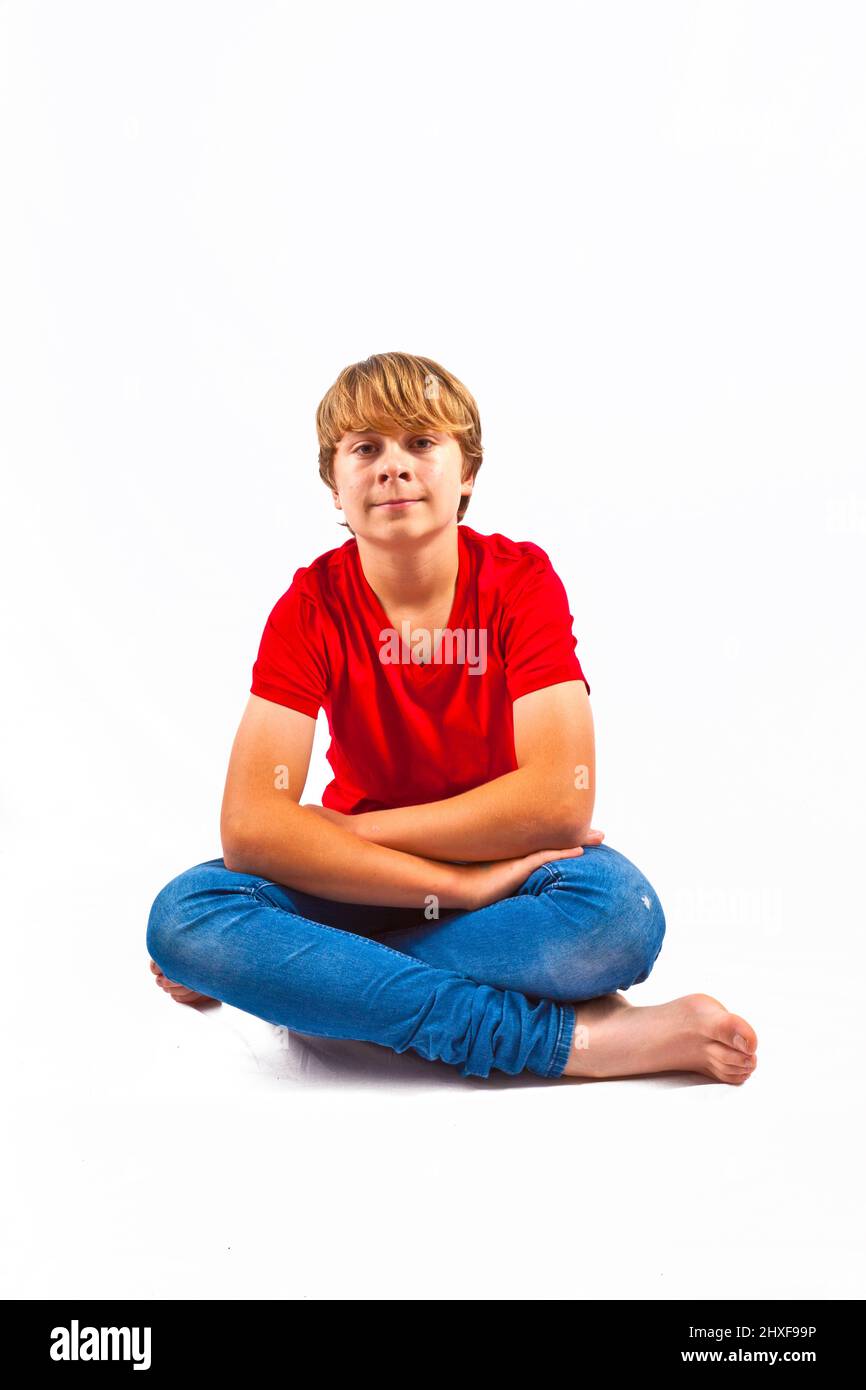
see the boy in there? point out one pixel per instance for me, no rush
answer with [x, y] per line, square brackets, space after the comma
[449, 894]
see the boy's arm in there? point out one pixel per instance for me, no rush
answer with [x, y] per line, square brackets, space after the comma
[546, 803]
[284, 842]
[265, 831]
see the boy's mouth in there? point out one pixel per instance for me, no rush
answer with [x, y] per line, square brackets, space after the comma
[399, 502]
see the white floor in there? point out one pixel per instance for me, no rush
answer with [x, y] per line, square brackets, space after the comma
[163, 1151]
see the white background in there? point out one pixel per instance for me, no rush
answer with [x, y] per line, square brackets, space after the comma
[636, 233]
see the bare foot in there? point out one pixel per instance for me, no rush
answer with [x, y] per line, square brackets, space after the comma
[694, 1033]
[180, 993]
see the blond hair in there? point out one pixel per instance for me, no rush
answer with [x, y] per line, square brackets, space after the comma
[398, 388]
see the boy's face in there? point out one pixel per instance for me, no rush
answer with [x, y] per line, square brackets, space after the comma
[419, 470]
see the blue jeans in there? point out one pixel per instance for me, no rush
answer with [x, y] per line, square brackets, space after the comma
[490, 988]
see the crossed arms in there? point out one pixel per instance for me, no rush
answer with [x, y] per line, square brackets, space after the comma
[546, 803]
[397, 857]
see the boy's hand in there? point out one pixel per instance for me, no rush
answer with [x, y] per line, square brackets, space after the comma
[593, 837]
[500, 878]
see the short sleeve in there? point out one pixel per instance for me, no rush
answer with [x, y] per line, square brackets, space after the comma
[538, 640]
[292, 666]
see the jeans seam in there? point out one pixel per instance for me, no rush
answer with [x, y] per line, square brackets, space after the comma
[564, 1036]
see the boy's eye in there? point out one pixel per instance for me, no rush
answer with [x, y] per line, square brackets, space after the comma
[423, 439]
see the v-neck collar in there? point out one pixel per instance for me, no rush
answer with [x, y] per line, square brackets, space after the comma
[423, 669]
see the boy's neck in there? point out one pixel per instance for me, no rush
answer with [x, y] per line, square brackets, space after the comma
[413, 578]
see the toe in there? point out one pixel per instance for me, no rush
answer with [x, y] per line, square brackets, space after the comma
[724, 1056]
[744, 1037]
[737, 1033]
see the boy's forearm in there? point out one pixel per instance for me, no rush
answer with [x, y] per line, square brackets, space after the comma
[513, 815]
[290, 844]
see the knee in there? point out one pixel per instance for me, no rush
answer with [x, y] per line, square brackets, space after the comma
[169, 915]
[635, 920]
[624, 923]
[643, 931]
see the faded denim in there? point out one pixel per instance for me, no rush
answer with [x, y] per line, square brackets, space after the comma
[483, 990]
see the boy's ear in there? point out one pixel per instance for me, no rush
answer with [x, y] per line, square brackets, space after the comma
[466, 484]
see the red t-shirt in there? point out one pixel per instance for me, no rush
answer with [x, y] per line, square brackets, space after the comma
[404, 733]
